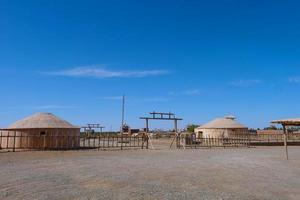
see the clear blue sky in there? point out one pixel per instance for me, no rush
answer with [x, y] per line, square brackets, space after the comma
[199, 59]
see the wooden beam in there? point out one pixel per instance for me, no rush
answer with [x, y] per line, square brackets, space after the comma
[159, 118]
[147, 125]
[285, 141]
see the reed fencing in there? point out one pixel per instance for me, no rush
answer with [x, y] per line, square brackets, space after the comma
[238, 140]
[257, 139]
[13, 142]
[114, 141]
[193, 142]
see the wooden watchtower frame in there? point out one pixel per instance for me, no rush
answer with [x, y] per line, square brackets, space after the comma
[90, 127]
[162, 116]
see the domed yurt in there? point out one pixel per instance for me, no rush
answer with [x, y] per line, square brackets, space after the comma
[40, 131]
[221, 128]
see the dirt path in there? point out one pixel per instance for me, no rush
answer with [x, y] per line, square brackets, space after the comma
[255, 173]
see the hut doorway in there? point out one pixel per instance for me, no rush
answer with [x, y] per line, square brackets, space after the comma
[200, 134]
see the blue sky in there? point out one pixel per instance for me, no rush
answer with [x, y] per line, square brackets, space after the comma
[199, 59]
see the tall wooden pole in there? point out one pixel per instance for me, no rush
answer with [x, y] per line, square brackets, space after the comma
[122, 123]
[176, 133]
[123, 113]
[147, 134]
[285, 141]
[147, 125]
[175, 126]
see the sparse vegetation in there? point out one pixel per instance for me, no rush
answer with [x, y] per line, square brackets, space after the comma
[191, 128]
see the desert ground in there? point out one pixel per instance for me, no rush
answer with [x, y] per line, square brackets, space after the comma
[235, 173]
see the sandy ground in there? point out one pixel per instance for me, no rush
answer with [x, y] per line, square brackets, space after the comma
[245, 173]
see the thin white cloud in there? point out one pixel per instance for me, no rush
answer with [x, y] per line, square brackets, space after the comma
[189, 92]
[246, 82]
[294, 79]
[100, 72]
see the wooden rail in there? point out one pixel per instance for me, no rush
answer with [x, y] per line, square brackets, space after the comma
[270, 138]
[112, 141]
[242, 140]
[190, 142]
[13, 141]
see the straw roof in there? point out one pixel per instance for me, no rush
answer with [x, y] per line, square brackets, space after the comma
[41, 120]
[291, 122]
[227, 122]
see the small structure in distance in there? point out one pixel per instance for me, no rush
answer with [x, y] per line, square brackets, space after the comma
[93, 128]
[221, 128]
[127, 130]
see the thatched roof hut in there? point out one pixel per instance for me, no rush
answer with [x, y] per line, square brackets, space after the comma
[221, 127]
[41, 131]
[42, 120]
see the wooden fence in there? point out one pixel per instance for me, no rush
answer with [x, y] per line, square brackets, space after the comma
[48, 142]
[238, 140]
[257, 139]
[193, 142]
[108, 141]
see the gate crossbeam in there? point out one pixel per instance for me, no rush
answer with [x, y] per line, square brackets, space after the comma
[162, 116]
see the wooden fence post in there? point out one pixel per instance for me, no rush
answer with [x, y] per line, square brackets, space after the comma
[147, 139]
[98, 142]
[121, 141]
[20, 140]
[14, 147]
[44, 141]
[7, 139]
[143, 140]
[68, 141]
[27, 141]
[1, 140]
[285, 141]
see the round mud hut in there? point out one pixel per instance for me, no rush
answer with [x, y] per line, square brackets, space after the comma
[40, 131]
[221, 128]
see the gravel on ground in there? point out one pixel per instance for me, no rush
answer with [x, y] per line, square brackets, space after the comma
[235, 173]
